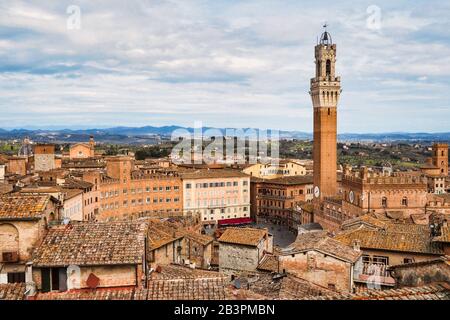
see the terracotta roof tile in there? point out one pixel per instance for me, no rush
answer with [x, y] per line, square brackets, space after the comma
[269, 263]
[212, 173]
[244, 236]
[71, 183]
[172, 289]
[88, 294]
[160, 234]
[199, 238]
[291, 180]
[12, 291]
[172, 271]
[406, 237]
[22, 206]
[185, 289]
[111, 243]
[320, 241]
[429, 292]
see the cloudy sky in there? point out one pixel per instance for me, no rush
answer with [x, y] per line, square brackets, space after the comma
[226, 63]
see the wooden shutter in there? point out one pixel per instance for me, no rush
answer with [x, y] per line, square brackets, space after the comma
[62, 279]
[45, 278]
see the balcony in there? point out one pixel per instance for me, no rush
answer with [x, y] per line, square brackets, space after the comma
[375, 274]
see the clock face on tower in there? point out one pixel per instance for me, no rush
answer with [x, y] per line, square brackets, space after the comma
[316, 192]
[351, 196]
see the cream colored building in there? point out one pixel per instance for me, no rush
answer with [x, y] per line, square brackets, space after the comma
[2, 171]
[216, 195]
[72, 205]
[83, 150]
[285, 168]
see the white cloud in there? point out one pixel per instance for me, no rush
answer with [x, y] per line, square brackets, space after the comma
[217, 61]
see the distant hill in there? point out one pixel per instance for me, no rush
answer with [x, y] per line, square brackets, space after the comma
[151, 134]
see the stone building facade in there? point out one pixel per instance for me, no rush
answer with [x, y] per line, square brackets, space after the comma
[321, 260]
[23, 224]
[279, 200]
[242, 249]
[44, 157]
[436, 169]
[73, 256]
[422, 273]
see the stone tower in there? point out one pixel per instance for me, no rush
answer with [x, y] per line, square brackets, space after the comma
[440, 157]
[325, 92]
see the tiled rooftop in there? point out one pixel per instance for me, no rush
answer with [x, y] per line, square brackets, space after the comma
[429, 292]
[293, 288]
[443, 259]
[12, 291]
[160, 234]
[22, 206]
[212, 173]
[112, 243]
[184, 289]
[172, 271]
[366, 219]
[320, 241]
[269, 263]
[88, 294]
[71, 183]
[197, 237]
[175, 289]
[291, 180]
[403, 237]
[243, 236]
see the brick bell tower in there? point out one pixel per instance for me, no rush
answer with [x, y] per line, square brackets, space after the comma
[325, 92]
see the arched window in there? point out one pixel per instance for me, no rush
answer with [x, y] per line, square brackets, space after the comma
[384, 202]
[442, 153]
[405, 201]
[328, 70]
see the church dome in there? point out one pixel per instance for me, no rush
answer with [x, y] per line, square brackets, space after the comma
[325, 38]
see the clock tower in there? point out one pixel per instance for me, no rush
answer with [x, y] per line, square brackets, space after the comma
[325, 92]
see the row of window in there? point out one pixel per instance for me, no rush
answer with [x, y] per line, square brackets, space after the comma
[228, 210]
[212, 202]
[292, 193]
[90, 201]
[139, 190]
[384, 201]
[216, 184]
[216, 192]
[134, 202]
[223, 217]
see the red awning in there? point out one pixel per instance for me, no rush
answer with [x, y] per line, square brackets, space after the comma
[234, 221]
